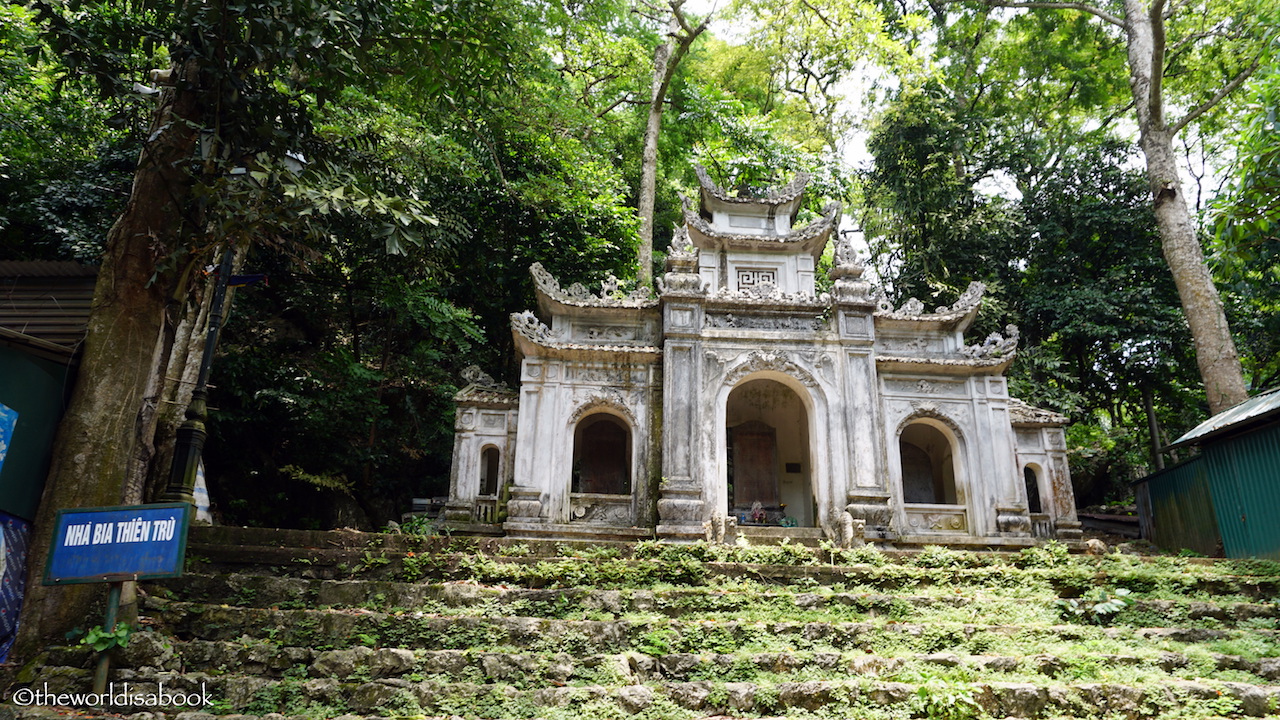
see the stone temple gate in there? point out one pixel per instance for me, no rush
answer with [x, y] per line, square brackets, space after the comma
[739, 400]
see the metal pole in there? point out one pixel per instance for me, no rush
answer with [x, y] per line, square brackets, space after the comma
[104, 657]
[191, 435]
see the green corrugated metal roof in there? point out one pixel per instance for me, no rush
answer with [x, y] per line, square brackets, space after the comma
[1256, 408]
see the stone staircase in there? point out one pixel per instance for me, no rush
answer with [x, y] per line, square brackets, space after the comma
[272, 624]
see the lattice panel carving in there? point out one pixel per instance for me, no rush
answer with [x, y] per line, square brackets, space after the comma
[752, 277]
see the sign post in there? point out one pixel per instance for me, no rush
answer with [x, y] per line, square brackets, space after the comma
[115, 545]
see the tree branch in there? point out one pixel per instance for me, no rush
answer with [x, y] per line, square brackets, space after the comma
[1226, 90]
[1082, 7]
[1155, 97]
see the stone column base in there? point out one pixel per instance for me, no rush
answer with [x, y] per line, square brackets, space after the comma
[680, 514]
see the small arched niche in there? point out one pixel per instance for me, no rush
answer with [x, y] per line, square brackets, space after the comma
[927, 456]
[490, 469]
[602, 455]
[1033, 490]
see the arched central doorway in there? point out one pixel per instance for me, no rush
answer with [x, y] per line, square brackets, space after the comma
[767, 454]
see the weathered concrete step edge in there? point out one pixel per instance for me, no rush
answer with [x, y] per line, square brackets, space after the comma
[341, 628]
[265, 591]
[1022, 700]
[264, 659]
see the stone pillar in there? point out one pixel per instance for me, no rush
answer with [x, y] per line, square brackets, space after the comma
[680, 505]
[867, 499]
[1066, 524]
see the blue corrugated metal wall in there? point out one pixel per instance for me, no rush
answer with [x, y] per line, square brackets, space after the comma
[1179, 506]
[1244, 473]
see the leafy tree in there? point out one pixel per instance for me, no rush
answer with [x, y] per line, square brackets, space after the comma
[233, 106]
[1246, 216]
[929, 225]
[1197, 54]
[682, 31]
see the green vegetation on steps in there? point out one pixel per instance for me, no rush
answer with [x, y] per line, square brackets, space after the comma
[387, 626]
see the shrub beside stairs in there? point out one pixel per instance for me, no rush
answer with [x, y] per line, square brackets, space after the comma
[274, 623]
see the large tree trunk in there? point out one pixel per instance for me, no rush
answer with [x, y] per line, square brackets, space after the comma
[105, 441]
[666, 58]
[1215, 349]
[649, 164]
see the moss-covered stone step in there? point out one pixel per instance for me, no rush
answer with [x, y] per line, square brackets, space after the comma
[680, 566]
[267, 659]
[329, 697]
[348, 627]
[718, 603]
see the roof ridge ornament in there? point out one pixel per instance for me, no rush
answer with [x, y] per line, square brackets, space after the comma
[773, 195]
[473, 375]
[1023, 413]
[819, 227]
[995, 345]
[682, 276]
[611, 293]
[913, 308]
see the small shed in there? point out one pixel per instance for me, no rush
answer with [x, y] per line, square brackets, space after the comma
[1237, 473]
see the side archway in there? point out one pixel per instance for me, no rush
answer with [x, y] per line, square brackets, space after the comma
[601, 455]
[929, 462]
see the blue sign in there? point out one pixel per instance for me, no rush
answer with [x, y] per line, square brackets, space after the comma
[137, 542]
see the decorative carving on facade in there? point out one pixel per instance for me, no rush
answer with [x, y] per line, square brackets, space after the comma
[918, 345]
[955, 416]
[597, 375]
[606, 400]
[769, 294]
[578, 294]
[683, 284]
[995, 345]
[827, 368]
[610, 333]
[912, 306]
[852, 292]
[872, 509]
[528, 326]
[937, 521]
[1014, 521]
[481, 389]
[758, 361]
[847, 272]
[713, 363]
[847, 256]
[926, 408]
[750, 277]
[762, 322]
[594, 510]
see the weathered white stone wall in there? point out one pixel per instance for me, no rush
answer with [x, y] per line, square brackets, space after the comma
[1044, 449]
[476, 428]
[554, 396]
